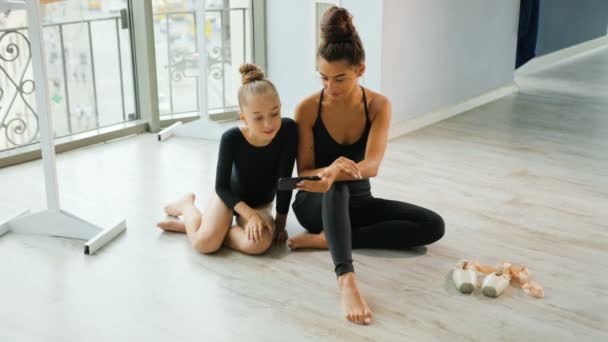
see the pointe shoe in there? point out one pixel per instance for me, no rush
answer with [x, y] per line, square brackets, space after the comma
[464, 277]
[494, 284]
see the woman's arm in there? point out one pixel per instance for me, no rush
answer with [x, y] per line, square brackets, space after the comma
[305, 156]
[378, 137]
[376, 142]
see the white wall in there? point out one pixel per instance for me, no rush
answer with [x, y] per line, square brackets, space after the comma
[422, 54]
[290, 46]
[440, 52]
[367, 17]
[564, 23]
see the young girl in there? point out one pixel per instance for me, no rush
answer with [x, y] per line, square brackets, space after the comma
[251, 160]
[343, 133]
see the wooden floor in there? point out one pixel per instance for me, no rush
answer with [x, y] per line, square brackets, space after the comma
[523, 179]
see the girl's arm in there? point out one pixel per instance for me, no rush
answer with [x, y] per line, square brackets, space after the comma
[223, 173]
[289, 142]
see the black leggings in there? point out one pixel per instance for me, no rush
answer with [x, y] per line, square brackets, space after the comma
[359, 220]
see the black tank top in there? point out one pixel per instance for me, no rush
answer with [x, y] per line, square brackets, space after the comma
[327, 150]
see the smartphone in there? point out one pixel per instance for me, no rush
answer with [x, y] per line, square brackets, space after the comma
[290, 183]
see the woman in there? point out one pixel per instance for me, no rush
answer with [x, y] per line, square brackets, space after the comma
[342, 136]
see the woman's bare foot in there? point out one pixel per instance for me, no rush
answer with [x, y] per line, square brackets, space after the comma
[306, 240]
[172, 225]
[353, 305]
[175, 208]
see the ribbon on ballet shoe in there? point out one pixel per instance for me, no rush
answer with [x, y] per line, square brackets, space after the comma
[520, 274]
[466, 265]
[504, 270]
[483, 269]
[530, 288]
[533, 289]
[462, 265]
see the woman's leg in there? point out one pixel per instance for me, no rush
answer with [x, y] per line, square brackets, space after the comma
[330, 210]
[336, 221]
[308, 240]
[307, 208]
[381, 223]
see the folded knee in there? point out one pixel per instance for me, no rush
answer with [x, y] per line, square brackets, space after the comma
[435, 227]
[205, 247]
[257, 248]
[311, 223]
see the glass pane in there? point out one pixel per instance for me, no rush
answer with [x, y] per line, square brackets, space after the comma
[176, 55]
[227, 31]
[88, 58]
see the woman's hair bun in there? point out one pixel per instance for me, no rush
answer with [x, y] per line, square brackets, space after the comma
[337, 25]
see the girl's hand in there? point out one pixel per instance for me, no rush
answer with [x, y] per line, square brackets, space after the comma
[254, 228]
[328, 176]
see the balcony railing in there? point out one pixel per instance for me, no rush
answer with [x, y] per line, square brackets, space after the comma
[84, 95]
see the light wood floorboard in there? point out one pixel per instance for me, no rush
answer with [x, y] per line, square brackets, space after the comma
[524, 178]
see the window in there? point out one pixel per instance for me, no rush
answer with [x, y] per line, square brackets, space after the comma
[89, 68]
[228, 34]
[90, 59]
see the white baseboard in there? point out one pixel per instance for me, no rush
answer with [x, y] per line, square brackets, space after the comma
[203, 128]
[409, 125]
[562, 55]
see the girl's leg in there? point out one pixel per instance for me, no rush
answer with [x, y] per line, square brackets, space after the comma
[205, 237]
[237, 238]
[172, 224]
[208, 236]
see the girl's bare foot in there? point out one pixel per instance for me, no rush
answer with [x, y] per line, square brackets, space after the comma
[175, 208]
[353, 305]
[306, 240]
[172, 224]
